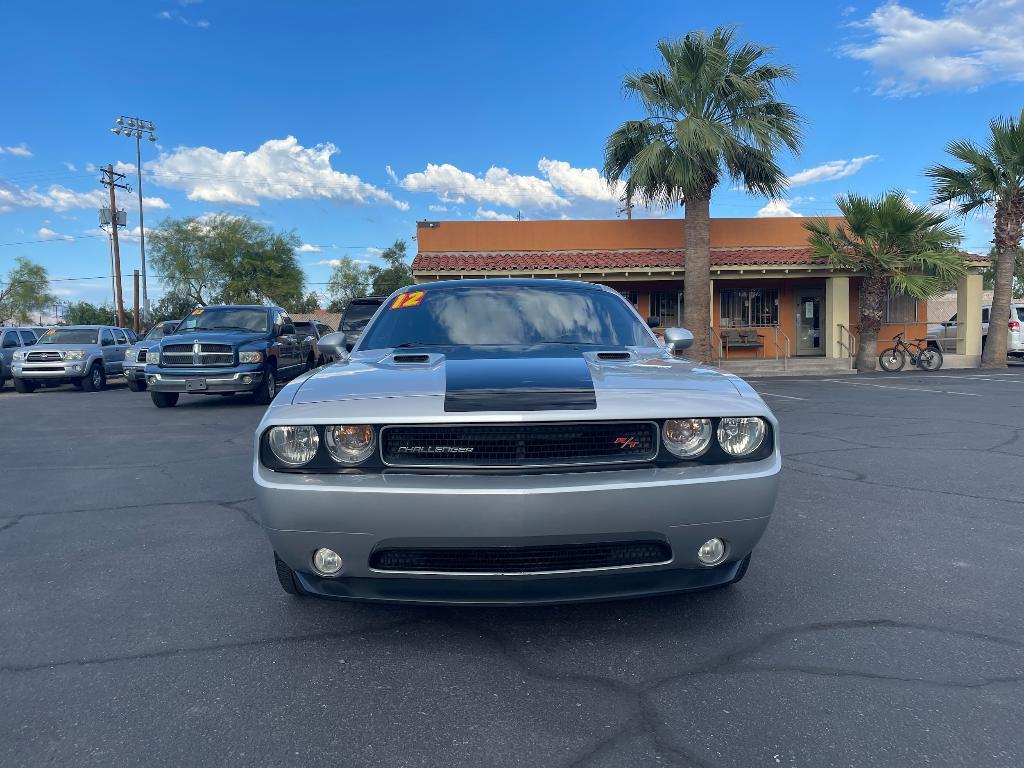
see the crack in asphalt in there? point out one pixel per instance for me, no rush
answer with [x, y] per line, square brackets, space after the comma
[235, 506]
[128, 507]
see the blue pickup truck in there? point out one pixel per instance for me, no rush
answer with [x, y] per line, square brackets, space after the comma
[225, 350]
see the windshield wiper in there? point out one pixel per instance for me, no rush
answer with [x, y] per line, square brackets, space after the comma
[229, 328]
[408, 344]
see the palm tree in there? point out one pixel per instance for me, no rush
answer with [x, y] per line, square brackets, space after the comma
[991, 177]
[897, 246]
[711, 112]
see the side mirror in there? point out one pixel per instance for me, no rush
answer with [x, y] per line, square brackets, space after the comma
[653, 321]
[333, 345]
[678, 339]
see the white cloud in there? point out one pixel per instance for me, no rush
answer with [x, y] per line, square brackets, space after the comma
[70, 166]
[497, 185]
[587, 183]
[834, 169]
[19, 151]
[280, 169]
[437, 208]
[307, 248]
[391, 173]
[973, 42]
[487, 215]
[339, 262]
[48, 234]
[56, 197]
[777, 209]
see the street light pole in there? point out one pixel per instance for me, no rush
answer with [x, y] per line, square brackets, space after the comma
[136, 128]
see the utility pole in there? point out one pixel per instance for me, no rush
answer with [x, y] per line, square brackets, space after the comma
[136, 128]
[135, 278]
[113, 180]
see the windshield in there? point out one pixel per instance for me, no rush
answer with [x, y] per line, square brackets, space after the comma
[512, 315]
[357, 315]
[157, 332]
[249, 319]
[303, 326]
[70, 336]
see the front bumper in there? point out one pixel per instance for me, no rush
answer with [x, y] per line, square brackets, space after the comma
[354, 514]
[218, 380]
[62, 371]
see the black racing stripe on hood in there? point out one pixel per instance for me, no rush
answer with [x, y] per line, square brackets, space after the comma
[519, 384]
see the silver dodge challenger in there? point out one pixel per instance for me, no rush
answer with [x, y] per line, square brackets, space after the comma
[509, 442]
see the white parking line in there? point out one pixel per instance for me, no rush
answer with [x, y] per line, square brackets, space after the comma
[907, 389]
[787, 397]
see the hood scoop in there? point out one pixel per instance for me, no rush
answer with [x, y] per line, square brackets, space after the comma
[614, 356]
[407, 358]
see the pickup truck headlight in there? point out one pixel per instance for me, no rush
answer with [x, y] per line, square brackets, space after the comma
[130, 355]
[250, 357]
[687, 438]
[75, 354]
[293, 446]
[19, 355]
[741, 436]
[350, 444]
[153, 355]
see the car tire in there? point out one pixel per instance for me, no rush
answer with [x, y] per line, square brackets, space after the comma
[24, 386]
[164, 399]
[95, 380]
[286, 576]
[135, 385]
[267, 389]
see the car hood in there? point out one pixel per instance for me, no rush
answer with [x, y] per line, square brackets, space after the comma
[411, 383]
[232, 338]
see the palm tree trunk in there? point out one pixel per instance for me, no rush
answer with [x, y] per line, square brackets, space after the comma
[1007, 241]
[873, 291]
[697, 285]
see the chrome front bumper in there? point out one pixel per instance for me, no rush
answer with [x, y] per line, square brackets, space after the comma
[355, 514]
[218, 380]
[57, 370]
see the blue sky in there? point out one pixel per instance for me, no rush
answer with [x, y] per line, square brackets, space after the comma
[350, 121]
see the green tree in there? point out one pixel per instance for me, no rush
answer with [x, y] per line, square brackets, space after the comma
[26, 290]
[173, 306]
[712, 112]
[991, 176]
[348, 281]
[309, 303]
[85, 313]
[897, 246]
[394, 274]
[229, 259]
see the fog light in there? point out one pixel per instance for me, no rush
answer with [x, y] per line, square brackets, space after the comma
[77, 367]
[247, 379]
[711, 552]
[327, 562]
[151, 379]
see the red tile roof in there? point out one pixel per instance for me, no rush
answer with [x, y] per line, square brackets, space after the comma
[584, 261]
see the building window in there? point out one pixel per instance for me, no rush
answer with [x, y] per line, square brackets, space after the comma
[749, 307]
[900, 308]
[666, 307]
[633, 297]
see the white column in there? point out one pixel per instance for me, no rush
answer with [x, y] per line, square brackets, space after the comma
[837, 312]
[968, 315]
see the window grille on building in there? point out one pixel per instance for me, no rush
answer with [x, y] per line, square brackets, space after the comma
[749, 307]
[633, 297]
[900, 308]
[666, 307]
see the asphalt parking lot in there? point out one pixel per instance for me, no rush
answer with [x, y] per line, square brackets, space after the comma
[881, 622]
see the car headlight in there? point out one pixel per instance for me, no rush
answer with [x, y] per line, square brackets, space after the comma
[130, 354]
[687, 438]
[741, 436]
[75, 354]
[250, 357]
[293, 446]
[350, 444]
[153, 355]
[19, 355]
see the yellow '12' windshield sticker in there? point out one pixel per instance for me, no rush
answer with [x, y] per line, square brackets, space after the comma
[197, 311]
[404, 300]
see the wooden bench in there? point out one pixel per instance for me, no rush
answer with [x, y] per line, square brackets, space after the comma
[734, 339]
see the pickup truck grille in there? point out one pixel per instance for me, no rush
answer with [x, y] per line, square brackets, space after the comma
[44, 357]
[520, 445]
[539, 559]
[197, 356]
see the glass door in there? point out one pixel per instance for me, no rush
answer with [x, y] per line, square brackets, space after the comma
[810, 339]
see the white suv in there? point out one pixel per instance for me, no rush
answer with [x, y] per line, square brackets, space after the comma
[944, 334]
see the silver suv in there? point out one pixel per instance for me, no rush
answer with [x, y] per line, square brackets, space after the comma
[12, 340]
[945, 334]
[85, 355]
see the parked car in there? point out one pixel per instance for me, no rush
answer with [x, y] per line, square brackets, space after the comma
[12, 340]
[227, 349]
[513, 441]
[135, 357]
[314, 329]
[357, 315]
[945, 334]
[84, 355]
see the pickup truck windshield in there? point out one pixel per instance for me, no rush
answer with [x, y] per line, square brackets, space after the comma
[70, 336]
[506, 316]
[157, 332]
[225, 319]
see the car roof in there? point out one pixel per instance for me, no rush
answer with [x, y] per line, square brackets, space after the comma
[239, 306]
[514, 282]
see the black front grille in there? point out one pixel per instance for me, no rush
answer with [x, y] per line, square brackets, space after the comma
[43, 357]
[520, 445]
[540, 559]
[186, 355]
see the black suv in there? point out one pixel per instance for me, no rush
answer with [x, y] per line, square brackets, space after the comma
[228, 349]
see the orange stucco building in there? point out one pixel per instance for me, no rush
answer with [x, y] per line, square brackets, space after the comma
[770, 297]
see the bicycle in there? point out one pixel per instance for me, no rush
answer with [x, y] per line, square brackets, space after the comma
[894, 358]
